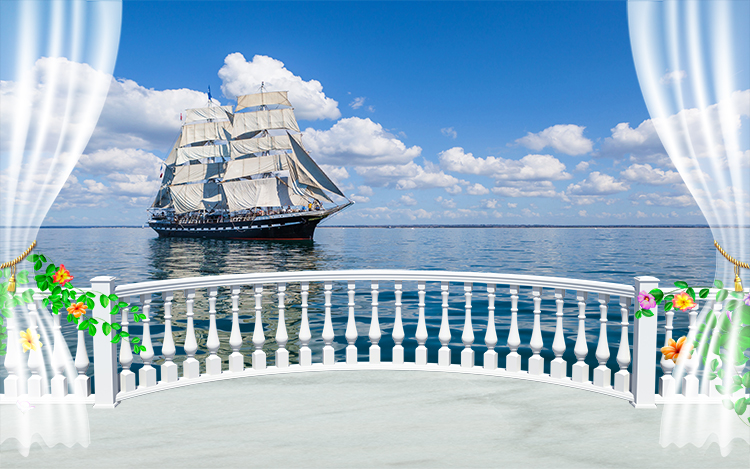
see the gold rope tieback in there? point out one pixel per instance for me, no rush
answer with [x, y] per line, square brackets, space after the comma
[12, 265]
[737, 265]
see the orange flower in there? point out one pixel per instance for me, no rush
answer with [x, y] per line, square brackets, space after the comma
[77, 309]
[683, 301]
[673, 350]
[62, 276]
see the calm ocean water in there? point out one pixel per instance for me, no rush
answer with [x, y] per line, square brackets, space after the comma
[602, 254]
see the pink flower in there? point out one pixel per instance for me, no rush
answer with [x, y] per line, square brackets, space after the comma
[683, 301]
[646, 300]
[747, 299]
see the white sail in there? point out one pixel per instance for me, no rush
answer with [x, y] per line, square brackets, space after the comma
[308, 172]
[205, 131]
[162, 199]
[262, 99]
[188, 173]
[256, 145]
[248, 122]
[257, 165]
[187, 197]
[266, 192]
[172, 157]
[204, 113]
[186, 154]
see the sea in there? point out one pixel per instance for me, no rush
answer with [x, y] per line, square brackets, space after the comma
[607, 254]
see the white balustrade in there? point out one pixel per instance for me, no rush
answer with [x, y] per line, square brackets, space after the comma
[690, 384]
[513, 360]
[147, 373]
[490, 337]
[127, 377]
[444, 354]
[351, 329]
[602, 374]
[236, 360]
[622, 377]
[169, 371]
[305, 354]
[559, 368]
[36, 385]
[190, 367]
[398, 328]
[213, 362]
[581, 368]
[259, 356]
[375, 333]
[667, 382]
[536, 362]
[282, 354]
[421, 335]
[12, 362]
[708, 387]
[467, 354]
[328, 352]
[59, 355]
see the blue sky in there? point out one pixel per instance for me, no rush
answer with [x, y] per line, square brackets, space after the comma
[444, 113]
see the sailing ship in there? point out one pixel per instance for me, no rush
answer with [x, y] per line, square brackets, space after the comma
[243, 173]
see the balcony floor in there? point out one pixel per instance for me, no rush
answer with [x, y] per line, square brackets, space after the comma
[372, 419]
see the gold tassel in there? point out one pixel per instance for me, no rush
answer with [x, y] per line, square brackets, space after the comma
[12, 280]
[737, 281]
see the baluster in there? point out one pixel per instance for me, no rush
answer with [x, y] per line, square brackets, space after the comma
[708, 387]
[12, 361]
[127, 377]
[328, 352]
[282, 354]
[490, 338]
[351, 328]
[602, 374]
[536, 362]
[168, 349]
[421, 334]
[190, 367]
[580, 368]
[35, 364]
[689, 380]
[444, 354]
[622, 377]
[467, 354]
[375, 333]
[558, 367]
[259, 356]
[305, 354]
[236, 360]
[147, 373]
[398, 329]
[667, 382]
[513, 360]
[60, 381]
[213, 362]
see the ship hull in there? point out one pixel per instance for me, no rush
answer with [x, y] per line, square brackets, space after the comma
[278, 227]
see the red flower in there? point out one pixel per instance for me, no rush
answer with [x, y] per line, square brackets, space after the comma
[62, 276]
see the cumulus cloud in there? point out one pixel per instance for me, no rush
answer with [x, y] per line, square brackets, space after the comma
[407, 200]
[410, 176]
[389, 213]
[533, 189]
[365, 190]
[528, 168]
[566, 139]
[597, 184]
[447, 203]
[663, 199]
[240, 77]
[358, 142]
[477, 189]
[641, 143]
[449, 132]
[359, 199]
[645, 174]
[489, 203]
[336, 173]
[583, 166]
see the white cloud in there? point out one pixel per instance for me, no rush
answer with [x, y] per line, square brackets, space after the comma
[583, 166]
[597, 184]
[566, 139]
[389, 213]
[528, 168]
[410, 176]
[489, 203]
[527, 189]
[449, 132]
[241, 77]
[464, 213]
[336, 173]
[358, 142]
[510, 205]
[663, 199]
[582, 213]
[365, 190]
[642, 143]
[359, 199]
[645, 174]
[477, 189]
[640, 214]
[673, 77]
[357, 103]
[447, 203]
[408, 200]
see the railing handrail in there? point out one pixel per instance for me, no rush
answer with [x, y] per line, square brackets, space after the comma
[158, 286]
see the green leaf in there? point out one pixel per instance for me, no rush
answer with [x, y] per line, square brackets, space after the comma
[92, 329]
[681, 284]
[51, 269]
[106, 328]
[135, 340]
[740, 406]
[104, 301]
[37, 265]
[746, 380]
[82, 325]
[41, 256]
[691, 292]
[43, 285]
[90, 294]
[638, 314]
[703, 293]
[727, 403]
[116, 326]
[6, 272]
[94, 321]
[721, 295]
[648, 313]
[22, 276]
[133, 309]
[90, 303]
[28, 296]
[667, 307]
[116, 339]
[714, 364]
[124, 334]
[718, 284]
[122, 304]
[657, 294]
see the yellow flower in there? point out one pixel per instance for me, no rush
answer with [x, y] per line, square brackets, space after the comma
[77, 309]
[29, 342]
[683, 301]
[673, 349]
